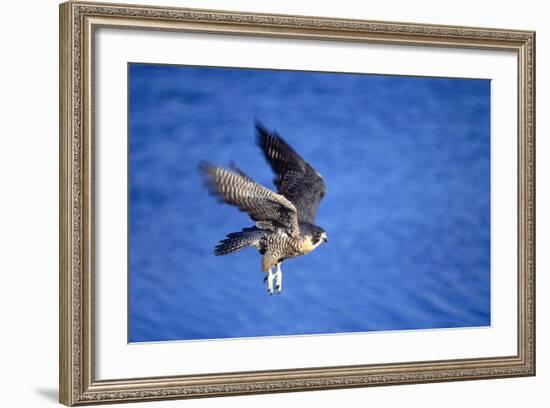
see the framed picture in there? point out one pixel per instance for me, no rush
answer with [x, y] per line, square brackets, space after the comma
[256, 203]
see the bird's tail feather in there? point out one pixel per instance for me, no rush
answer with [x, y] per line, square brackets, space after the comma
[236, 241]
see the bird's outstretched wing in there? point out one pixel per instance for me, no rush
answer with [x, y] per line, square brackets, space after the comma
[295, 178]
[269, 209]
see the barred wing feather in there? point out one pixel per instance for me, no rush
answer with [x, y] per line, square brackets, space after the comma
[269, 209]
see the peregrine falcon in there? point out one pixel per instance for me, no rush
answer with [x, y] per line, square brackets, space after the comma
[285, 221]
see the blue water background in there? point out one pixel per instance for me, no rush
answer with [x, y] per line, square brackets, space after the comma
[407, 164]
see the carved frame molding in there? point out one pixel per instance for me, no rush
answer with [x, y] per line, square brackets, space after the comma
[78, 21]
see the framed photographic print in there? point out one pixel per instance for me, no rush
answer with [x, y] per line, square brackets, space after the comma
[256, 203]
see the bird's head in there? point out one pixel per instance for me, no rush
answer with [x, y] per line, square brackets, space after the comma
[318, 236]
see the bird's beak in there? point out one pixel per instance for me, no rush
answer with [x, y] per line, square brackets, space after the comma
[325, 239]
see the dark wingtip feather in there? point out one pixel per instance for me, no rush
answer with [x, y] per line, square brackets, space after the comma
[208, 173]
[266, 137]
[262, 133]
[260, 126]
[219, 250]
[206, 168]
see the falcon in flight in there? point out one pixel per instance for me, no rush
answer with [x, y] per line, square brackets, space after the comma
[285, 221]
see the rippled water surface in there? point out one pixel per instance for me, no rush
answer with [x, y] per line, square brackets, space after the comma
[407, 164]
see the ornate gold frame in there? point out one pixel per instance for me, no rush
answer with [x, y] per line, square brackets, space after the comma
[78, 22]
